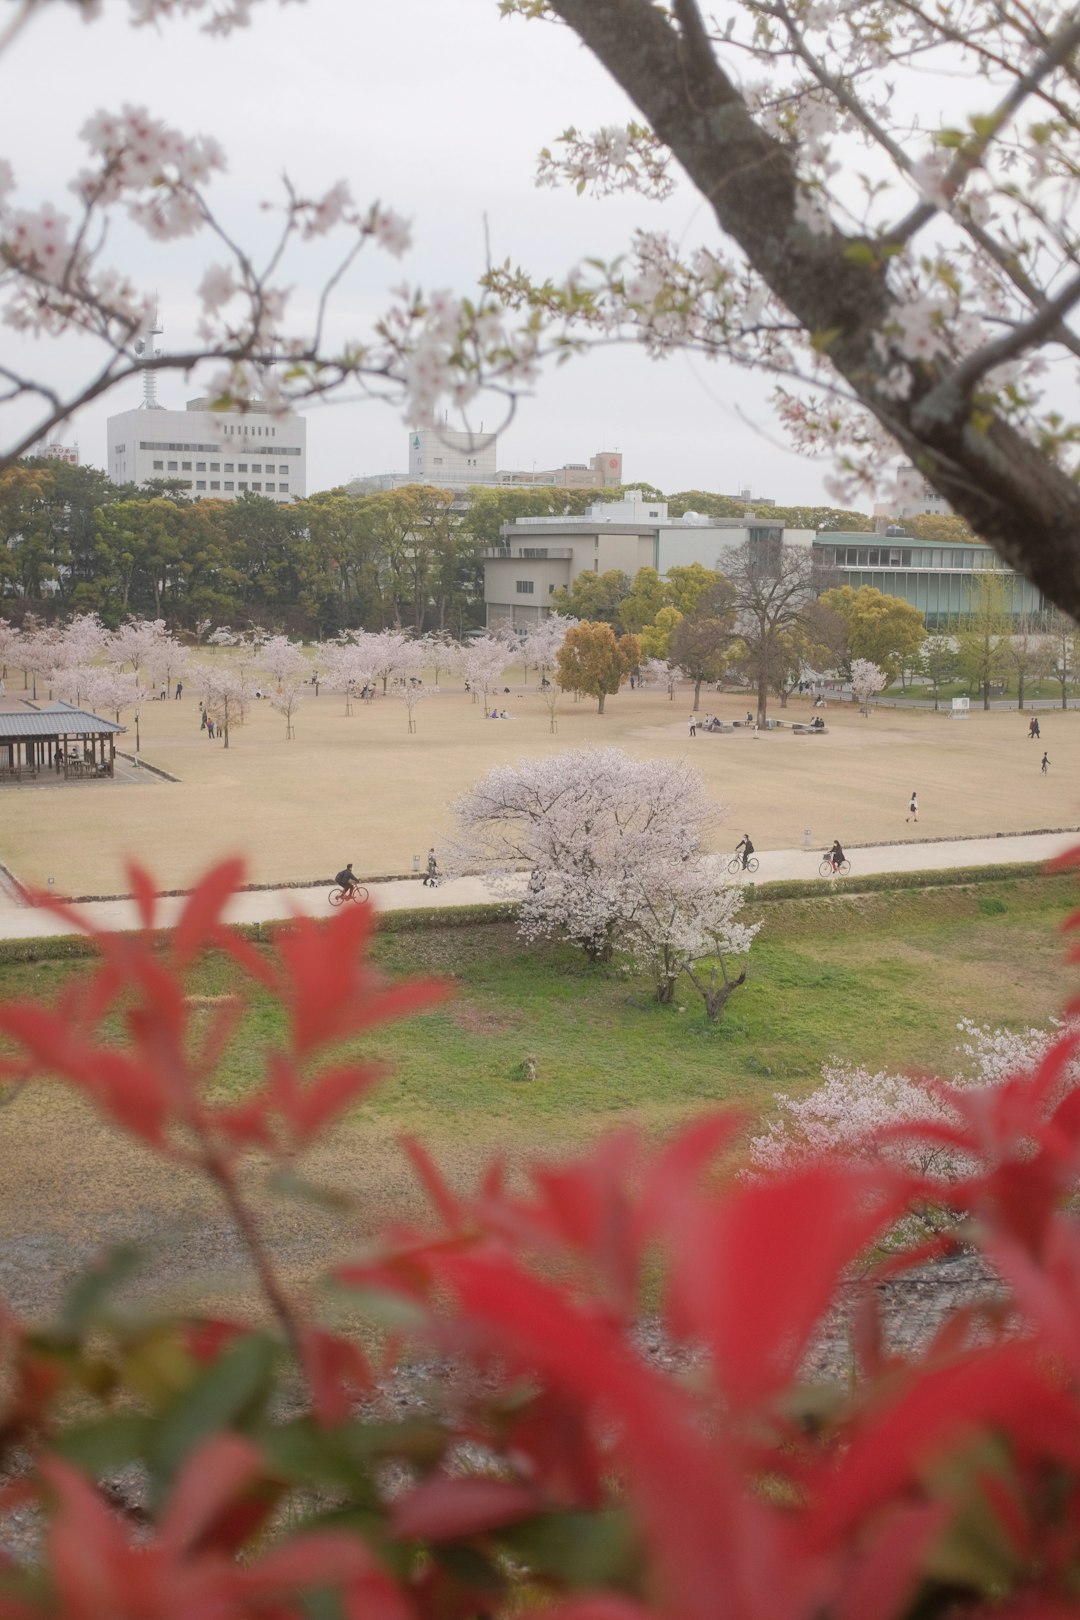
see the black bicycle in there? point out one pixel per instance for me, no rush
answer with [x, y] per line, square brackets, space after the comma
[355, 891]
[736, 864]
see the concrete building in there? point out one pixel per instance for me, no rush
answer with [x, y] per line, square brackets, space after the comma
[935, 577]
[912, 496]
[214, 455]
[602, 471]
[455, 460]
[52, 450]
[539, 556]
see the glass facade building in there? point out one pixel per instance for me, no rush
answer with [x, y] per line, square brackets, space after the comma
[934, 576]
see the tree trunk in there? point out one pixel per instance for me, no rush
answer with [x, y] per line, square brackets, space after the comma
[762, 698]
[665, 991]
[697, 692]
[716, 999]
[600, 705]
[1020, 690]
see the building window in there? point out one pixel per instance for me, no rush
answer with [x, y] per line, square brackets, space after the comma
[159, 466]
[283, 470]
[200, 483]
[215, 466]
[241, 466]
[256, 466]
[228, 483]
[524, 587]
[257, 485]
[242, 484]
[200, 466]
[229, 468]
[283, 489]
[174, 466]
[215, 483]
[185, 466]
[185, 483]
[270, 489]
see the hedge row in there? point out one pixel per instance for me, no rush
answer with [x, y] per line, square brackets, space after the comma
[59, 947]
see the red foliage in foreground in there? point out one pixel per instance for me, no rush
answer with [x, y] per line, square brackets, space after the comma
[179, 1476]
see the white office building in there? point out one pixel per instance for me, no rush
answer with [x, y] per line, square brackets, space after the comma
[540, 555]
[451, 458]
[214, 455]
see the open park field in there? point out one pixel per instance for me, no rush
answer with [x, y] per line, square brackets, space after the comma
[360, 788]
[878, 979]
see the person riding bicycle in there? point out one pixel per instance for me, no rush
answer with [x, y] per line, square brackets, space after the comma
[836, 855]
[744, 848]
[347, 878]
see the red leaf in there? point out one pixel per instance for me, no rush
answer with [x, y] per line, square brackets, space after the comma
[142, 889]
[327, 1096]
[212, 1479]
[753, 1275]
[888, 1571]
[198, 921]
[448, 1206]
[449, 1509]
[335, 1369]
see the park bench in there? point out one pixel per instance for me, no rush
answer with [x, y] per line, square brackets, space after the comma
[810, 731]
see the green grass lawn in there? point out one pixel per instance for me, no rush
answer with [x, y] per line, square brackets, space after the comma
[880, 979]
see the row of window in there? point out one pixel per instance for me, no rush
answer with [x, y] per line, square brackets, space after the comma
[907, 557]
[256, 488]
[215, 466]
[209, 449]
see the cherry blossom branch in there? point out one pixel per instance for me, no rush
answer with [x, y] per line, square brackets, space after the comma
[941, 402]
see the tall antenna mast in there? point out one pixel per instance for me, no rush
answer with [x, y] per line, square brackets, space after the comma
[148, 351]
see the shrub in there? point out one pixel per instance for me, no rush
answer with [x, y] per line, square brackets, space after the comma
[566, 1473]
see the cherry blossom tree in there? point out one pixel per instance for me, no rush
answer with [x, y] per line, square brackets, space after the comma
[112, 690]
[854, 1111]
[386, 653]
[9, 636]
[687, 923]
[540, 645]
[589, 826]
[867, 679]
[911, 292]
[80, 641]
[226, 691]
[136, 644]
[439, 652]
[659, 672]
[169, 662]
[411, 696]
[345, 666]
[483, 664]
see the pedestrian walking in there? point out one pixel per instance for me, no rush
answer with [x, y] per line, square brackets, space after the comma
[179, 690]
[693, 725]
[913, 807]
[209, 728]
[431, 876]
[1045, 763]
[1033, 729]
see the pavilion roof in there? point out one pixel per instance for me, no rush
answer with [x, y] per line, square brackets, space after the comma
[55, 720]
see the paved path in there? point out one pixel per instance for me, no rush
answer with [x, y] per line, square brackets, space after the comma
[269, 905]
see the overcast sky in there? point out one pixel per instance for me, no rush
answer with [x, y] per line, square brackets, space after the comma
[438, 109]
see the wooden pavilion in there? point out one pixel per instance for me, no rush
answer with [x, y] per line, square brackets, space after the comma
[59, 738]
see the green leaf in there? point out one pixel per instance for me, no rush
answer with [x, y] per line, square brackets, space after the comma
[583, 1549]
[91, 1288]
[111, 1442]
[229, 1394]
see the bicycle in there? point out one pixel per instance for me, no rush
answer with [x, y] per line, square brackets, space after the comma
[826, 868]
[736, 864]
[357, 892]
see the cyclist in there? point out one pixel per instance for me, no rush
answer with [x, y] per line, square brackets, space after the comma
[744, 848]
[836, 855]
[347, 878]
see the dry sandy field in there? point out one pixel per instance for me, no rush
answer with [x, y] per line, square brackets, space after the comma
[358, 787]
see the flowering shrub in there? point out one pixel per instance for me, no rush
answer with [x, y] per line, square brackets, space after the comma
[567, 1475]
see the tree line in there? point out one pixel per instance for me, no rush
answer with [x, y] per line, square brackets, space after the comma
[71, 541]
